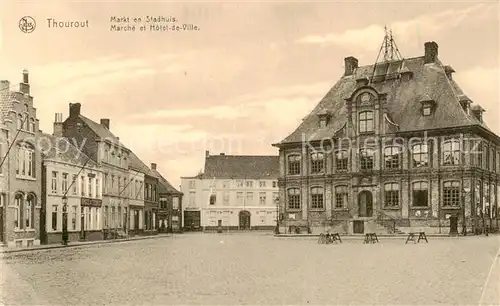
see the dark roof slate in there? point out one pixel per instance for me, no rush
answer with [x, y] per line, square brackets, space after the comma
[60, 148]
[403, 102]
[135, 163]
[241, 166]
[100, 130]
[165, 186]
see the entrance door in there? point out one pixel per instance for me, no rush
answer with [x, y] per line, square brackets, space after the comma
[82, 223]
[358, 227]
[244, 219]
[365, 204]
[1, 223]
[125, 219]
[136, 220]
[454, 225]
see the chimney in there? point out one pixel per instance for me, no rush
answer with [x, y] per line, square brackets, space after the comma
[153, 166]
[24, 87]
[207, 153]
[58, 125]
[350, 64]
[4, 85]
[74, 109]
[105, 122]
[431, 52]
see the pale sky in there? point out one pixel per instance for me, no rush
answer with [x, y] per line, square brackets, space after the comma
[243, 81]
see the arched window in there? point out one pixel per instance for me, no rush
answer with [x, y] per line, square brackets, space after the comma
[317, 197]
[341, 196]
[317, 162]
[420, 155]
[451, 152]
[420, 193]
[25, 160]
[366, 122]
[20, 122]
[392, 157]
[26, 122]
[341, 160]
[293, 164]
[18, 203]
[29, 211]
[33, 125]
[367, 157]
[391, 192]
[294, 198]
[451, 193]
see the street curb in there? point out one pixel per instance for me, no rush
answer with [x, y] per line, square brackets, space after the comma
[90, 243]
[398, 236]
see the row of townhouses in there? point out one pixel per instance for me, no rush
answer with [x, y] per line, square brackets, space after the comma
[81, 171]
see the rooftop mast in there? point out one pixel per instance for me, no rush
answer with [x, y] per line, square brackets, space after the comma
[389, 49]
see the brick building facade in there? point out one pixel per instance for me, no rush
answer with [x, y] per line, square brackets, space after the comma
[105, 149]
[392, 146]
[68, 172]
[170, 212]
[20, 174]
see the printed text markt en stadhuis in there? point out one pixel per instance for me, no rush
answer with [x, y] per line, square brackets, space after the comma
[149, 23]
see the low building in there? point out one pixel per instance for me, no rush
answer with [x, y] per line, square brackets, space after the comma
[69, 172]
[21, 166]
[235, 192]
[169, 217]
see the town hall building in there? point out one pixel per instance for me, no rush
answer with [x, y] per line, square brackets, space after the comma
[392, 146]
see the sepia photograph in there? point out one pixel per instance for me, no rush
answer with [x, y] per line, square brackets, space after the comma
[251, 152]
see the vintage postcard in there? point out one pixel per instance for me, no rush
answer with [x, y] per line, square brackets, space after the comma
[249, 152]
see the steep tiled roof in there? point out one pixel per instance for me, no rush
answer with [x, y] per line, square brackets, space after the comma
[241, 166]
[165, 186]
[136, 164]
[100, 130]
[403, 102]
[60, 148]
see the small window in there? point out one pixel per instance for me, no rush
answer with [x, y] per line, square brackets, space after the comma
[426, 110]
[322, 123]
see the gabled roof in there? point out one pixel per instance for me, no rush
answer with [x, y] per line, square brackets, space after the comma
[100, 130]
[241, 166]
[60, 148]
[403, 102]
[165, 186]
[136, 164]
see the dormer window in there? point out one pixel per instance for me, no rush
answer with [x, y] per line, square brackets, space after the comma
[426, 110]
[428, 106]
[324, 117]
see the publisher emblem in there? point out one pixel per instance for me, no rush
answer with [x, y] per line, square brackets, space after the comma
[27, 24]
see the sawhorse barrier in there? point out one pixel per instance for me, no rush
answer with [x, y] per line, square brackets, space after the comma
[371, 238]
[412, 236]
[329, 238]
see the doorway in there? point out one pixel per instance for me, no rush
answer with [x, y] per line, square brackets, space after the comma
[358, 227]
[136, 220]
[365, 204]
[1, 223]
[244, 220]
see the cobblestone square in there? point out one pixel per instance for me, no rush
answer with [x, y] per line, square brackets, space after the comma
[256, 269]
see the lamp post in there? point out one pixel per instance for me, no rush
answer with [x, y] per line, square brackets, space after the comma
[65, 221]
[464, 225]
[277, 229]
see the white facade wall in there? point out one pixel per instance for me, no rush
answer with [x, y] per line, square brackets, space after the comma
[55, 190]
[231, 197]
